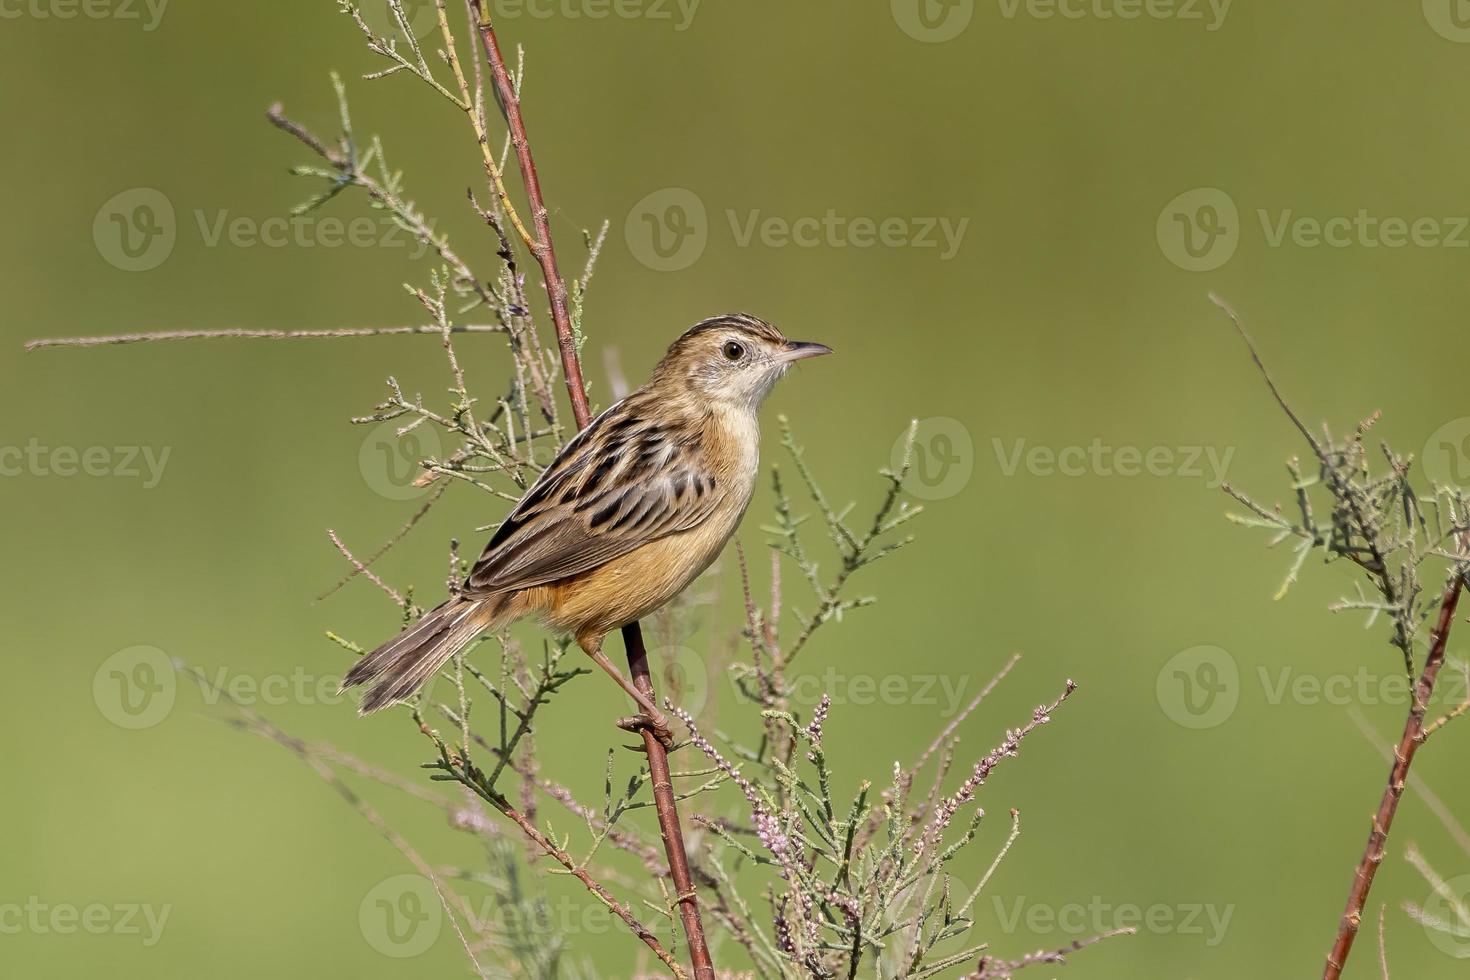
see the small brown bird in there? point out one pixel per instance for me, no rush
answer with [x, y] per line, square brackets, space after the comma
[635, 507]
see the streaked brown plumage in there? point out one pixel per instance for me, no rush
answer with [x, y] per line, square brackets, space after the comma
[630, 512]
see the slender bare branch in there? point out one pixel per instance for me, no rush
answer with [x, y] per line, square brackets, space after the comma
[112, 340]
[992, 969]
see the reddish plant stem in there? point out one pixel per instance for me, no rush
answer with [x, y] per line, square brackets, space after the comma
[1403, 757]
[556, 287]
[668, 815]
[556, 291]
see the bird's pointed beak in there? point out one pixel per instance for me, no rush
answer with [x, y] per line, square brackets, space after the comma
[800, 350]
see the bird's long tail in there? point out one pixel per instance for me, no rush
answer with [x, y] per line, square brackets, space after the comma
[405, 663]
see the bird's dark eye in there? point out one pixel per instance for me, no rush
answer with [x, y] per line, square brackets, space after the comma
[734, 351]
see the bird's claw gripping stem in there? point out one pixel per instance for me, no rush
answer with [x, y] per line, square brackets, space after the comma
[656, 724]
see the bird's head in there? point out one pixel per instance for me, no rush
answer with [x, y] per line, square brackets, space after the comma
[735, 358]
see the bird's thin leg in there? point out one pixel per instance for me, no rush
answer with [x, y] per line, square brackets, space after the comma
[601, 660]
[651, 717]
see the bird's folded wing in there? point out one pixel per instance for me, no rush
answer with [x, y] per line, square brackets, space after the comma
[622, 483]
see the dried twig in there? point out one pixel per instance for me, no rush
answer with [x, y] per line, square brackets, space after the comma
[992, 969]
[1382, 945]
[113, 340]
[362, 569]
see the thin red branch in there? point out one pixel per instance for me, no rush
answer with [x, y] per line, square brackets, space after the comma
[1403, 758]
[556, 287]
[556, 291]
[668, 815]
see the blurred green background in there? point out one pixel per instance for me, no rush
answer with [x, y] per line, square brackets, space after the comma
[1101, 174]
